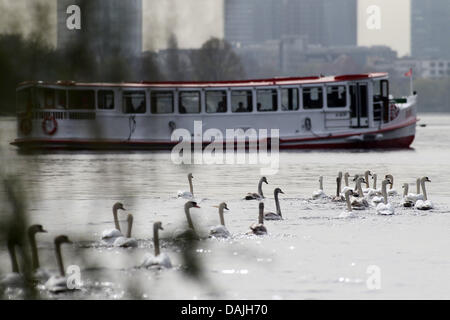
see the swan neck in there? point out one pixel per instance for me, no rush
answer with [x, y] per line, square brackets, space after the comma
[367, 179]
[261, 216]
[12, 254]
[130, 227]
[60, 260]
[405, 191]
[260, 192]
[189, 219]
[277, 204]
[424, 190]
[418, 186]
[156, 241]
[34, 252]
[191, 186]
[338, 187]
[116, 219]
[359, 188]
[346, 180]
[221, 216]
[321, 184]
[374, 182]
[347, 200]
[384, 192]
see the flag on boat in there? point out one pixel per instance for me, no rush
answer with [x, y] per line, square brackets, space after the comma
[409, 73]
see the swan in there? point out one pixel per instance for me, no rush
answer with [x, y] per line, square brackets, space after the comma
[110, 235]
[319, 194]
[424, 204]
[39, 274]
[407, 202]
[190, 233]
[220, 231]
[413, 197]
[338, 197]
[259, 195]
[189, 195]
[391, 192]
[348, 213]
[385, 208]
[128, 241]
[14, 279]
[259, 228]
[374, 191]
[346, 188]
[272, 215]
[379, 199]
[359, 203]
[58, 283]
[159, 260]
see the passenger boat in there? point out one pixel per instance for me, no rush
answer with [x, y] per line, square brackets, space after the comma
[348, 111]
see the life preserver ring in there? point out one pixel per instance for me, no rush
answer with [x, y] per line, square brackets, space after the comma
[393, 112]
[26, 125]
[50, 125]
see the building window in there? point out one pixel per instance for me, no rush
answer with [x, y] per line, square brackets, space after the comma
[337, 97]
[216, 101]
[134, 102]
[242, 101]
[162, 102]
[267, 100]
[189, 102]
[82, 99]
[313, 98]
[289, 99]
[105, 99]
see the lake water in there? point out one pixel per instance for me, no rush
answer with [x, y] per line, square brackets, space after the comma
[311, 254]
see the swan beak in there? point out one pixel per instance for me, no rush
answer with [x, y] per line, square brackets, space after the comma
[226, 208]
[44, 231]
[196, 206]
[161, 228]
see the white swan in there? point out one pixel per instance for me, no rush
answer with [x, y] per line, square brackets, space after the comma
[110, 235]
[385, 208]
[58, 283]
[39, 274]
[221, 230]
[367, 173]
[259, 228]
[391, 192]
[319, 194]
[14, 279]
[259, 195]
[413, 197]
[159, 260]
[374, 191]
[348, 213]
[424, 204]
[359, 203]
[190, 233]
[273, 215]
[380, 199]
[189, 195]
[406, 202]
[128, 241]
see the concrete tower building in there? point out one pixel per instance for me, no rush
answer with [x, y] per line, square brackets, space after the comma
[107, 27]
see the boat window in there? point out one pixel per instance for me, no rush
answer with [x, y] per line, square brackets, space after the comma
[312, 98]
[162, 102]
[289, 99]
[267, 100]
[242, 101]
[24, 100]
[216, 101]
[337, 96]
[189, 102]
[105, 99]
[61, 99]
[82, 99]
[45, 98]
[134, 102]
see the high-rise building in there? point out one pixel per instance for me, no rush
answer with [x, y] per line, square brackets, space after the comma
[321, 22]
[430, 24]
[107, 27]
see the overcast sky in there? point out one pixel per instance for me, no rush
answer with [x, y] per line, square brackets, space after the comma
[195, 21]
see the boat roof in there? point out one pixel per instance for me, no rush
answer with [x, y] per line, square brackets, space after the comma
[204, 84]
